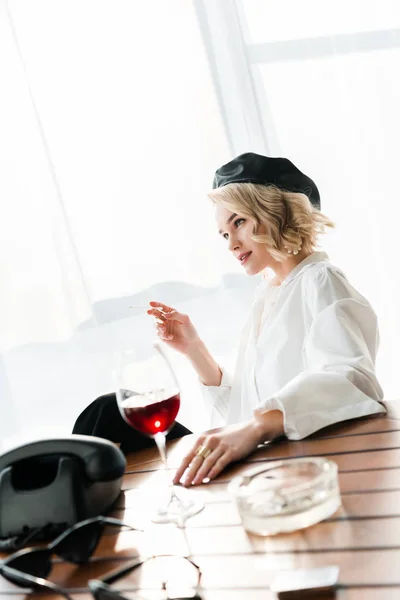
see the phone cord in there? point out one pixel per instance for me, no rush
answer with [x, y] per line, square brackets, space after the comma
[17, 542]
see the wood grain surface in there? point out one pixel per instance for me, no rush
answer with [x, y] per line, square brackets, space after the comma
[362, 537]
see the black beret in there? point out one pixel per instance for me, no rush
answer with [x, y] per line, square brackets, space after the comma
[255, 168]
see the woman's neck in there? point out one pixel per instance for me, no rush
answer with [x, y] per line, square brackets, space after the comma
[282, 269]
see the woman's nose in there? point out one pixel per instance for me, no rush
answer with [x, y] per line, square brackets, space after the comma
[233, 243]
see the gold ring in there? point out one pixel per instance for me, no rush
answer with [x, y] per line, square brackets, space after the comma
[203, 451]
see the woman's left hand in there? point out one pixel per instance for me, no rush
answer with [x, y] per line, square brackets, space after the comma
[226, 444]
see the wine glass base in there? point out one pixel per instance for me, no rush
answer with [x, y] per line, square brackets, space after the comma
[177, 510]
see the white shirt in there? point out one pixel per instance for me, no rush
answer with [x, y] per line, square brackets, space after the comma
[308, 348]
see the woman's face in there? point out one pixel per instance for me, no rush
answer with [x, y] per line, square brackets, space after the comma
[238, 231]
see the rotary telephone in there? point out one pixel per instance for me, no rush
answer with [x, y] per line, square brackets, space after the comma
[54, 483]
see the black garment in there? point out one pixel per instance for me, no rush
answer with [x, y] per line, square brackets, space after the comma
[103, 419]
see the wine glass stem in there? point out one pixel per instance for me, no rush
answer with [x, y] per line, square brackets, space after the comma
[159, 439]
[174, 500]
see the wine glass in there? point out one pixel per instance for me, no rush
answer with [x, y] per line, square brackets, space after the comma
[148, 397]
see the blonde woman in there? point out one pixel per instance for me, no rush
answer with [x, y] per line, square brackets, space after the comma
[307, 352]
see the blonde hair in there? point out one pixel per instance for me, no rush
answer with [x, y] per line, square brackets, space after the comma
[290, 220]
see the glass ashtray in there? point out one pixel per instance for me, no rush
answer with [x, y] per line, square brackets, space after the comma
[286, 495]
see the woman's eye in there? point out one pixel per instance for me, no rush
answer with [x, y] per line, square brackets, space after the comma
[236, 223]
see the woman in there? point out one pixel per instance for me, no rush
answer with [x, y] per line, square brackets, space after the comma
[307, 351]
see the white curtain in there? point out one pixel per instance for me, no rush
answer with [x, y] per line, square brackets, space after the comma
[110, 130]
[110, 134]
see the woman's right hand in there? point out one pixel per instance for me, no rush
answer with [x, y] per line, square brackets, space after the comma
[174, 328]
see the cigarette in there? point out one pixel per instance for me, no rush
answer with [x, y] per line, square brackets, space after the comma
[135, 306]
[147, 307]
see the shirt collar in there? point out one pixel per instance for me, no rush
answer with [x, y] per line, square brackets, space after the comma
[268, 275]
[315, 257]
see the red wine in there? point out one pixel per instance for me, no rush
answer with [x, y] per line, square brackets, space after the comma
[149, 415]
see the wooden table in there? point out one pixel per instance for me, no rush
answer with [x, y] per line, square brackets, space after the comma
[362, 538]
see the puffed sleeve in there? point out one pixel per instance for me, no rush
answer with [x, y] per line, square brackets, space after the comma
[338, 381]
[216, 399]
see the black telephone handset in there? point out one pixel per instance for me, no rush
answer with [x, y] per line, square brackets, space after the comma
[53, 483]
